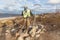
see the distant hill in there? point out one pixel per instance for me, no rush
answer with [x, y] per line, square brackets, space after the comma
[8, 15]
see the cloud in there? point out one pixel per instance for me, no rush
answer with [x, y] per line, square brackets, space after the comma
[38, 1]
[54, 1]
[12, 5]
[10, 8]
[2, 6]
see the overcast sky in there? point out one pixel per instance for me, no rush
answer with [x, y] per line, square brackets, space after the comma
[11, 5]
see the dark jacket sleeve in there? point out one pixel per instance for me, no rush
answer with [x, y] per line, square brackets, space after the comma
[31, 13]
[22, 13]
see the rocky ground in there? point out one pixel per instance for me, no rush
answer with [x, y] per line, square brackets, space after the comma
[40, 27]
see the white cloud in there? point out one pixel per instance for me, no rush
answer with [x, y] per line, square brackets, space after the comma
[14, 4]
[10, 4]
[10, 8]
[2, 6]
[37, 1]
[54, 1]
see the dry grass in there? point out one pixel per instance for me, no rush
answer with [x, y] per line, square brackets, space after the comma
[50, 21]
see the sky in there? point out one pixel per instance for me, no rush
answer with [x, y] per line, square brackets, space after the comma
[37, 5]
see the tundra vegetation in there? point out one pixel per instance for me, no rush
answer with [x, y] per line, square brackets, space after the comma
[45, 27]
